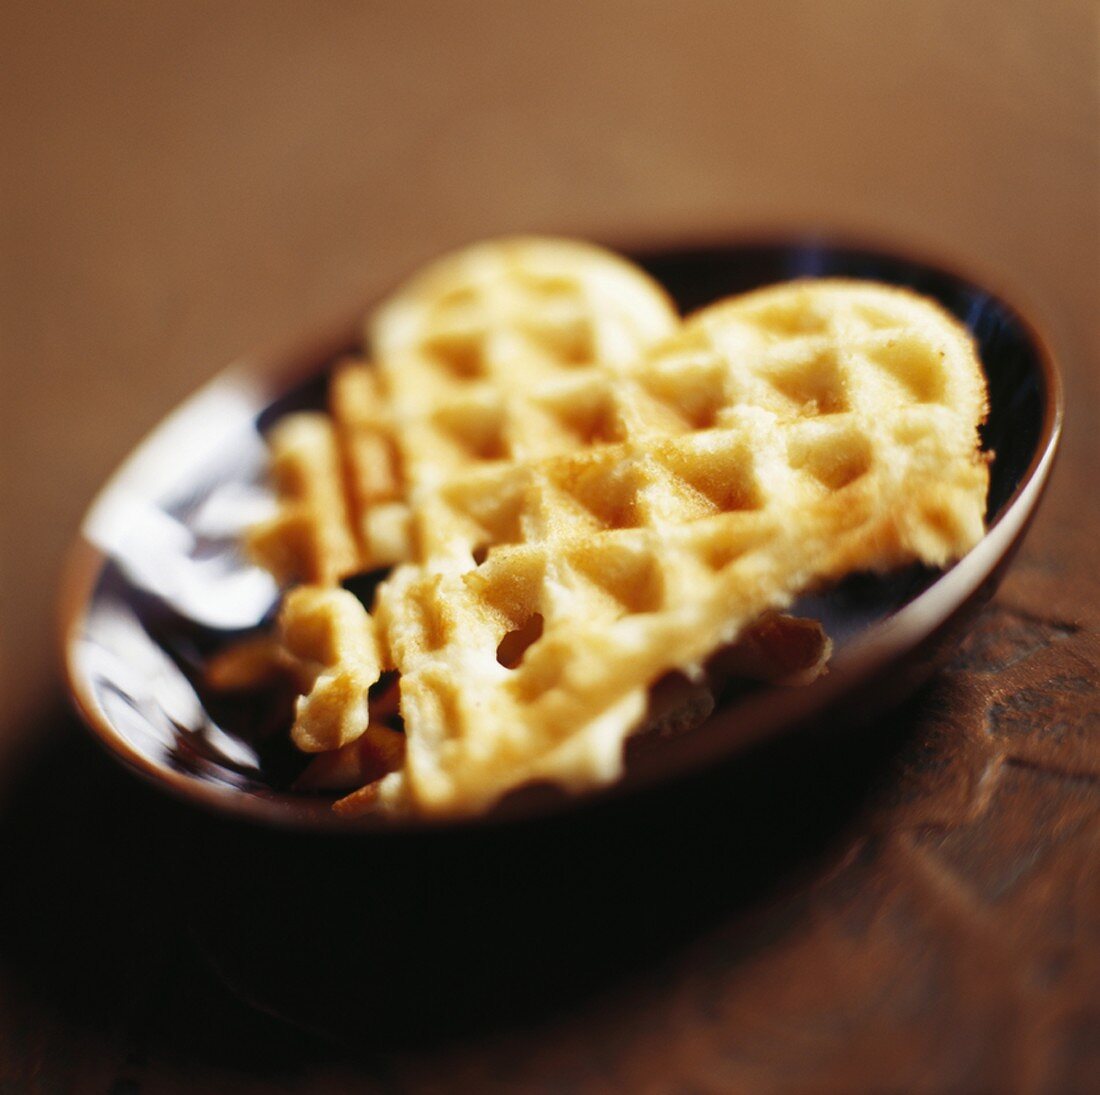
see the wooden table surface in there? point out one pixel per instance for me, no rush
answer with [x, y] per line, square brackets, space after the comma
[184, 182]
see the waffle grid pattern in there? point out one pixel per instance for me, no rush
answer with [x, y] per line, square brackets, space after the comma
[624, 504]
[769, 431]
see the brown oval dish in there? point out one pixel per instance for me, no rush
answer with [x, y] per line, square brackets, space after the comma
[156, 583]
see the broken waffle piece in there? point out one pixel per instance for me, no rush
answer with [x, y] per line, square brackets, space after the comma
[310, 539]
[247, 665]
[777, 649]
[332, 648]
[378, 751]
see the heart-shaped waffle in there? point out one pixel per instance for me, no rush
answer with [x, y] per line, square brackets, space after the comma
[575, 527]
[778, 441]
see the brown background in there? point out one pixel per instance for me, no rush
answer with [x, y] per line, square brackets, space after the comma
[182, 182]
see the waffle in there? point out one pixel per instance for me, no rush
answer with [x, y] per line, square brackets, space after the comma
[552, 310]
[458, 347]
[777, 442]
[333, 650]
[324, 645]
[575, 518]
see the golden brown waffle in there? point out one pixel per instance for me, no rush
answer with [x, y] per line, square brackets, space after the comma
[332, 648]
[491, 315]
[576, 529]
[458, 347]
[311, 539]
[778, 441]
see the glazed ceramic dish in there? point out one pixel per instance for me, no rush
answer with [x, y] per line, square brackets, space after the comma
[157, 582]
